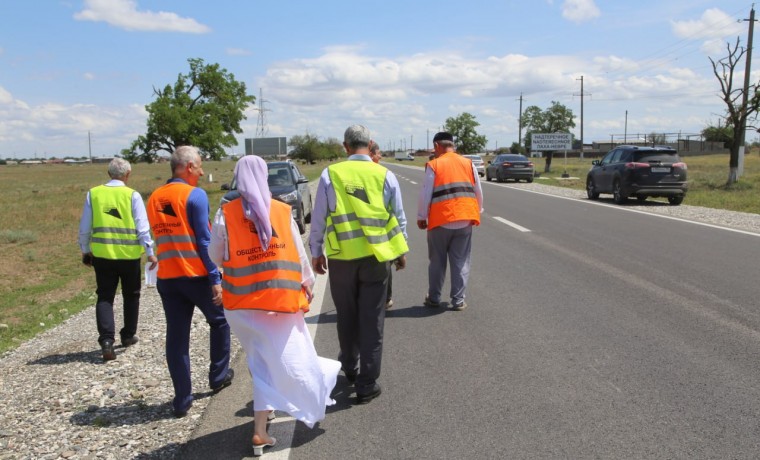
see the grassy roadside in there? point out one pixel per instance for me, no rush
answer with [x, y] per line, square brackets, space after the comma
[43, 282]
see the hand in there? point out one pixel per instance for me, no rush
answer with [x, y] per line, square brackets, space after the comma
[308, 292]
[400, 263]
[216, 292]
[153, 262]
[422, 224]
[319, 264]
[87, 259]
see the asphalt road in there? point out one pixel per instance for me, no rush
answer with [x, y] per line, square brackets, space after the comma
[592, 332]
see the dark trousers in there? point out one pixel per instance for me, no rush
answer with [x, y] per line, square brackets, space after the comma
[390, 283]
[359, 290]
[108, 272]
[180, 296]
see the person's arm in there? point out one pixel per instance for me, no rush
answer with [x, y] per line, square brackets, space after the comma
[478, 188]
[197, 215]
[307, 275]
[392, 197]
[319, 215]
[217, 248]
[142, 226]
[85, 231]
[426, 196]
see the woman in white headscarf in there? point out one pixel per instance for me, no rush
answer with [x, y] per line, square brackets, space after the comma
[266, 290]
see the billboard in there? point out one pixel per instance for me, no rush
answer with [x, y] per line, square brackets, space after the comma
[550, 141]
[266, 146]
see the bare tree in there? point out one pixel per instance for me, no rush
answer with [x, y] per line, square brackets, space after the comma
[737, 112]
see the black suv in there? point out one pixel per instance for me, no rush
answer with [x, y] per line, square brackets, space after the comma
[288, 185]
[638, 171]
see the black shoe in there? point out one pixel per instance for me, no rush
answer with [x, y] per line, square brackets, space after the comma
[430, 303]
[108, 353]
[364, 398]
[226, 382]
[350, 375]
[130, 341]
[182, 413]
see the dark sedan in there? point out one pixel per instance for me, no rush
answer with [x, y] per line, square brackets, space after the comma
[510, 166]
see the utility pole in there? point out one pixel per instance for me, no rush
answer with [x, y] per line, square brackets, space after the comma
[519, 126]
[581, 79]
[261, 129]
[427, 144]
[747, 70]
[625, 136]
[89, 144]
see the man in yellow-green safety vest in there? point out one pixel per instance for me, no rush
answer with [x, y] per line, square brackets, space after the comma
[113, 233]
[358, 224]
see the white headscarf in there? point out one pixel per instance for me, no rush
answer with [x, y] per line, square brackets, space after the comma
[251, 173]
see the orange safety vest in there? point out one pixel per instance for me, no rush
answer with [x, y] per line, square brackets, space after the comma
[176, 248]
[454, 196]
[259, 279]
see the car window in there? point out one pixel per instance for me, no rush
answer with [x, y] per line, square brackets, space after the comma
[279, 176]
[297, 171]
[616, 156]
[665, 157]
[608, 158]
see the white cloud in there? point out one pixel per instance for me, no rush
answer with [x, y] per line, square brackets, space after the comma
[125, 15]
[714, 24]
[237, 52]
[580, 10]
[88, 76]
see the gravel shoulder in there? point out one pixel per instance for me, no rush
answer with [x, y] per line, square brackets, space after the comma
[59, 400]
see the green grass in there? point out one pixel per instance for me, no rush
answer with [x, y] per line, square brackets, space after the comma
[42, 279]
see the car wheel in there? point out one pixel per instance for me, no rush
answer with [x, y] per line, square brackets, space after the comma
[301, 222]
[675, 200]
[641, 197]
[591, 189]
[529, 180]
[498, 178]
[488, 178]
[307, 219]
[617, 193]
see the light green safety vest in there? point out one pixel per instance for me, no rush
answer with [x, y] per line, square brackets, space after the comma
[114, 235]
[361, 226]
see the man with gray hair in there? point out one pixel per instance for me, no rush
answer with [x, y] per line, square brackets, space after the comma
[113, 233]
[358, 221]
[179, 216]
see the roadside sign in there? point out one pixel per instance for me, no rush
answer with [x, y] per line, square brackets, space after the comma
[551, 141]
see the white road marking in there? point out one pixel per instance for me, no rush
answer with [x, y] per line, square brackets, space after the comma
[512, 224]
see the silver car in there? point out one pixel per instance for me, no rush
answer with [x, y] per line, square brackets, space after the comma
[477, 161]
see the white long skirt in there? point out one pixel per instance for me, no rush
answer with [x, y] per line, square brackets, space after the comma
[287, 374]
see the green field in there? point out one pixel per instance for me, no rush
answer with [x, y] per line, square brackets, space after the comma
[43, 281]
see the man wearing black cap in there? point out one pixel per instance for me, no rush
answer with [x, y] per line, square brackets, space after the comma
[450, 203]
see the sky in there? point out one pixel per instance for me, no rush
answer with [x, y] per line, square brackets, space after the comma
[76, 75]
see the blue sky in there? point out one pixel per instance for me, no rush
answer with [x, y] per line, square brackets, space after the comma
[399, 67]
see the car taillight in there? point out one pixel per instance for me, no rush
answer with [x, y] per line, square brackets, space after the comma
[530, 163]
[634, 165]
[680, 165]
[506, 165]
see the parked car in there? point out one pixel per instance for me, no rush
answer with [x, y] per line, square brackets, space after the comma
[510, 166]
[638, 171]
[477, 161]
[288, 185]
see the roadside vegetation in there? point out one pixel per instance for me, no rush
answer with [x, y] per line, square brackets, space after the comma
[42, 279]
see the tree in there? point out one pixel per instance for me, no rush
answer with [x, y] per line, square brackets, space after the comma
[309, 148]
[724, 134]
[555, 119]
[516, 148]
[737, 113]
[204, 108]
[466, 139]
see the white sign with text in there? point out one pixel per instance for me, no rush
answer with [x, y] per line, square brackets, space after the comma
[551, 141]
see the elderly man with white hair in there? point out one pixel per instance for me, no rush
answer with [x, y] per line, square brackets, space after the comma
[113, 233]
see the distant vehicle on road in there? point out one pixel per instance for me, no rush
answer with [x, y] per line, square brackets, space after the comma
[510, 166]
[477, 161]
[288, 185]
[638, 171]
[401, 156]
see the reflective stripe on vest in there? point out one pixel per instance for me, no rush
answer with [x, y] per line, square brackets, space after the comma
[361, 225]
[454, 197]
[176, 248]
[260, 279]
[114, 235]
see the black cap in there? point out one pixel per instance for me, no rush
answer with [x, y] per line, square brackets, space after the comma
[443, 136]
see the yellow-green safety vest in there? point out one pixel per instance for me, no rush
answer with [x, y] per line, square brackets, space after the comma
[114, 235]
[361, 225]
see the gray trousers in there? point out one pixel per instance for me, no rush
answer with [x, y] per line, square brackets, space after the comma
[454, 246]
[359, 290]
